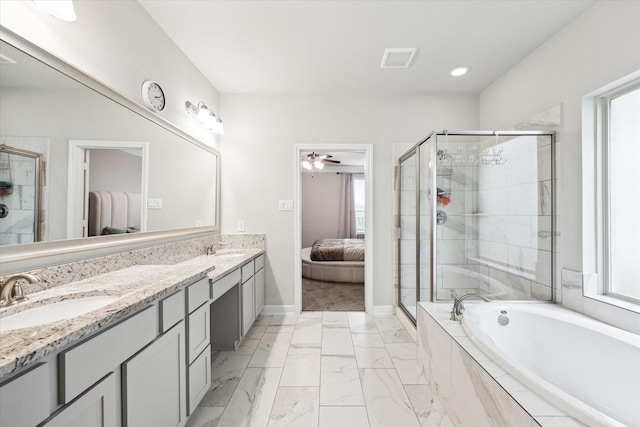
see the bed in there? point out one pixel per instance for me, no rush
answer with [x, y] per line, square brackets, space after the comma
[114, 212]
[334, 260]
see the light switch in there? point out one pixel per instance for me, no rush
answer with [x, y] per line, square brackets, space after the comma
[285, 205]
[154, 203]
[240, 225]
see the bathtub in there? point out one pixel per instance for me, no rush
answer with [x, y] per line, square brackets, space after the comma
[584, 367]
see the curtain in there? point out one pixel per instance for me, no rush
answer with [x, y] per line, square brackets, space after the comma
[347, 226]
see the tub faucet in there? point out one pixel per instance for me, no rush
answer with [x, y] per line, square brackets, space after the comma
[458, 307]
[12, 292]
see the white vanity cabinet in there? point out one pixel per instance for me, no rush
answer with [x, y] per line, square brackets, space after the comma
[150, 368]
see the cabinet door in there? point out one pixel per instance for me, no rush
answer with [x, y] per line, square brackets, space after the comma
[154, 383]
[29, 390]
[248, 305]
[259, 290]
[198, 334]
[95, 408]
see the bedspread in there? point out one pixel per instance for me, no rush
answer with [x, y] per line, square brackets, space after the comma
[338, 250]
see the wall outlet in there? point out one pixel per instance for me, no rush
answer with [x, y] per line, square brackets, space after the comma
[240, 225]
[285, 205]
[154, 203]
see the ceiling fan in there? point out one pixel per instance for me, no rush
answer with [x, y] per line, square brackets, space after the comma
[317, 161]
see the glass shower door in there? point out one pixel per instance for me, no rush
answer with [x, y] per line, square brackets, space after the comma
[407, 242]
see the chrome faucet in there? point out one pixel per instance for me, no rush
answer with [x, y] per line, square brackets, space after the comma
[211, 249]
[12, 291]
[458, 307]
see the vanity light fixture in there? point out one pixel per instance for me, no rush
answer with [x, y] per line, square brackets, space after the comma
[459, 71]
[61, 9]
[205, 116]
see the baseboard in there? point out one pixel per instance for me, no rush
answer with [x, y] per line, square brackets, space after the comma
[269, 310]
[382, 310]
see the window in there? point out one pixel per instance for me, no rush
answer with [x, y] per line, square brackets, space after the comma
[358, 193]
[620, 187]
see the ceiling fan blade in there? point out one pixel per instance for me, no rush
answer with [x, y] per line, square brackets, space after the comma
[330, 161]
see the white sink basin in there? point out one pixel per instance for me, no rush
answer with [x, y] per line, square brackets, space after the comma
[231, 255]
[49, 313]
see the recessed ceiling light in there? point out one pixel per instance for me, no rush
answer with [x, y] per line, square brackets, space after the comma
[459, 71]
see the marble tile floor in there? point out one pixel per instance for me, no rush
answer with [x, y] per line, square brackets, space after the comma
[320, 369]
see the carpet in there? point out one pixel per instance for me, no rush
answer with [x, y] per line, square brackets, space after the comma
[332, 296]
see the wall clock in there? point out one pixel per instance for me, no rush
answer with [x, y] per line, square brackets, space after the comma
[153, 95]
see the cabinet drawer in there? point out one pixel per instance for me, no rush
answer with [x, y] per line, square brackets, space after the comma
[221, 286]
[83, 365]
[24, 401]
[171, 311]
[247, 271]
[197, 294]
[198, 332]
[259, 262]
[199, 379]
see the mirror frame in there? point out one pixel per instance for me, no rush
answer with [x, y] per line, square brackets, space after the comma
[30, 255]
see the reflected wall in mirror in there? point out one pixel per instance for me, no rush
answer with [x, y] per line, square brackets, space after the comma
[42, 109]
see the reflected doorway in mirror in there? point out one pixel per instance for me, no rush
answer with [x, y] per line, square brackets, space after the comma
[107, 188]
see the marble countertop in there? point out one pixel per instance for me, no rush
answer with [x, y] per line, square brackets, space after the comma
[136, 287]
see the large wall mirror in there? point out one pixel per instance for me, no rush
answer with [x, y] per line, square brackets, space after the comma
[155, 179]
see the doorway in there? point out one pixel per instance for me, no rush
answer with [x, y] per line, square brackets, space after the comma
[318, 196]
[113, 173]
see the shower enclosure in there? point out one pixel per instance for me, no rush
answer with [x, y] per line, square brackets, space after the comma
[476, 214]
[20, 195]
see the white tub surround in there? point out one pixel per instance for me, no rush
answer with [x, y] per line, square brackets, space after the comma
[135, 286]
[587, 368]
[474, 389]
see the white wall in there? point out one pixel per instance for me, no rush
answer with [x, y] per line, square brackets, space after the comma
[115, 170]
[119, 44]
[599, 47]
[258, 164]
[320, 206]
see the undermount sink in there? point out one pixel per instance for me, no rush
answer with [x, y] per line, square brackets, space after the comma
[229, 255]
[49, 313]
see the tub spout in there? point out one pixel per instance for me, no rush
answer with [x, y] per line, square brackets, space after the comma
[458, 307]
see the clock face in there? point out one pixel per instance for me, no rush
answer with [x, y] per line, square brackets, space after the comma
[153, 95]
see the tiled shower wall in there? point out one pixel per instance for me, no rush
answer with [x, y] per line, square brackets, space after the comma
[497, 237]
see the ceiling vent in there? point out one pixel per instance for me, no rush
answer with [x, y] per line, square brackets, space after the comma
[6, 60]
[398, 57]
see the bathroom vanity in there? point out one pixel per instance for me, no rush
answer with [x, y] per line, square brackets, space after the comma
[143, 359]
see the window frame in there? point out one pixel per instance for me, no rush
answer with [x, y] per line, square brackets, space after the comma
[603, 189]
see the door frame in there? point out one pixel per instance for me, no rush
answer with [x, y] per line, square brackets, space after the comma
[76, 201]
[367, 149]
